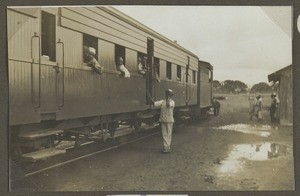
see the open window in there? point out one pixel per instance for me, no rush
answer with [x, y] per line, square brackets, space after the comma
[120, 59]
[194, 77]
[209, 76]
[142, 63]
[178, 73]
[90, 53]
[141, 55]
[169, 70]
[90, 42]
[157, 65]
[119, 52]
[48, 36]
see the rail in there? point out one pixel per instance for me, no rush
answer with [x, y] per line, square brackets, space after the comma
[63, 73]
[35, 36]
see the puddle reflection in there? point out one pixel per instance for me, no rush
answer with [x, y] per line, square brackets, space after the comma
[260, 130]
[259, 152]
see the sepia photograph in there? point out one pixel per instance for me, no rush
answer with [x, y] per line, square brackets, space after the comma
[136, 98]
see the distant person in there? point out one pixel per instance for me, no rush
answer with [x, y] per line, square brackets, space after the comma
[89, 57]
[120, 66]
[274, 108]
[166, 118]
[256, 109]
[251, 102]
[216, 106]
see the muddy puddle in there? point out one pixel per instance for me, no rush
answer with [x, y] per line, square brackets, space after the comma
[260, 130]
[237, 158]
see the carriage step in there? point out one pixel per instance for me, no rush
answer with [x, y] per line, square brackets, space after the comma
[184, 110]
[39, 134]
[185, 117]
[41, 154]
[145, 116]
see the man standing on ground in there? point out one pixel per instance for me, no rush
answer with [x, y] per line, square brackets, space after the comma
[216, 106]
[257, 109]
[166, 119]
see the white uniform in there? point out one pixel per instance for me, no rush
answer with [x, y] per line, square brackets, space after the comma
[123, 69]
[166, 119]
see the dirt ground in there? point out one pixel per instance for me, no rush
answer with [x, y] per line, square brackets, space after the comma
[250, 159]
[226, 152]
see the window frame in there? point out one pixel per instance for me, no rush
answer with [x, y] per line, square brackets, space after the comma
[46, 24]
[194, 81]
[88, 39]
[120, 51]
[178, 71]
[169, 70]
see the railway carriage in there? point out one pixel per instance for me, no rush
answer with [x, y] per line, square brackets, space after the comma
[53, 94]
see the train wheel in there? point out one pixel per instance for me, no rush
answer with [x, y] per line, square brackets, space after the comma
[112, 128]
[56, 139]
[77, 141]
[137, 125]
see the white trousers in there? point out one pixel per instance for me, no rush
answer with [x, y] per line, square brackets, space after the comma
[166, 130]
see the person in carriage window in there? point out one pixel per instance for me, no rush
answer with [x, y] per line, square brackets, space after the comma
[89, 58]
[120, 66]
[141, 67]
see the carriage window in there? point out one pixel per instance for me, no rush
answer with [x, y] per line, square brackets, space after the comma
[169, 70]
[194, 77]
[141, 55]
[90, 44]
[178, 73]
[119, 52]
[157, 65]
[48, 35]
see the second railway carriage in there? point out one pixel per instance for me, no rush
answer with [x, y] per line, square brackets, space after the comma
[53, 92]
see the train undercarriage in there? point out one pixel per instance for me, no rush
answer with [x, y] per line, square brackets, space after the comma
[34, 142]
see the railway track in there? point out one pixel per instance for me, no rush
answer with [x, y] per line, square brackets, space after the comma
[22, 170]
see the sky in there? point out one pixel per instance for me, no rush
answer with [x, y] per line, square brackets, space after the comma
[245, 43]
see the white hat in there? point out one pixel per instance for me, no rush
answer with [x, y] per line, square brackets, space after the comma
[169, 91]
[92, 50]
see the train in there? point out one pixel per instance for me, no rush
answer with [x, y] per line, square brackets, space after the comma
[55, 96]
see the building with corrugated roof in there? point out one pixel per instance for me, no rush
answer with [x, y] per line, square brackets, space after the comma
[285, 94]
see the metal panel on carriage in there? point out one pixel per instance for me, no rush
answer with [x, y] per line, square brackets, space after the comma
[193, 87]
[71, 18]
[48, 99]
[205, 87]
[90, 94]
[178, 89]
[131, 61]
[22, 78]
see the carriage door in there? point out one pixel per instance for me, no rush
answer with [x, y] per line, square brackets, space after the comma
[187, 90]
[48, 66]
[150, 74]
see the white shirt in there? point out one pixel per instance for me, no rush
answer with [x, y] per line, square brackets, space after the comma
[166, 113]
[125, 71]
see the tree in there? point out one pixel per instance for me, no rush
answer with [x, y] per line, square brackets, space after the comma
[261, 87]
[275, 86]
[240, 86]
[216, 86]
[230, 86]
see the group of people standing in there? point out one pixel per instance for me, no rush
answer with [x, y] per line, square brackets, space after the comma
[256, 108]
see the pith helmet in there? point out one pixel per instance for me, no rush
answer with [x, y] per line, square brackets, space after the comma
[169, 91]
